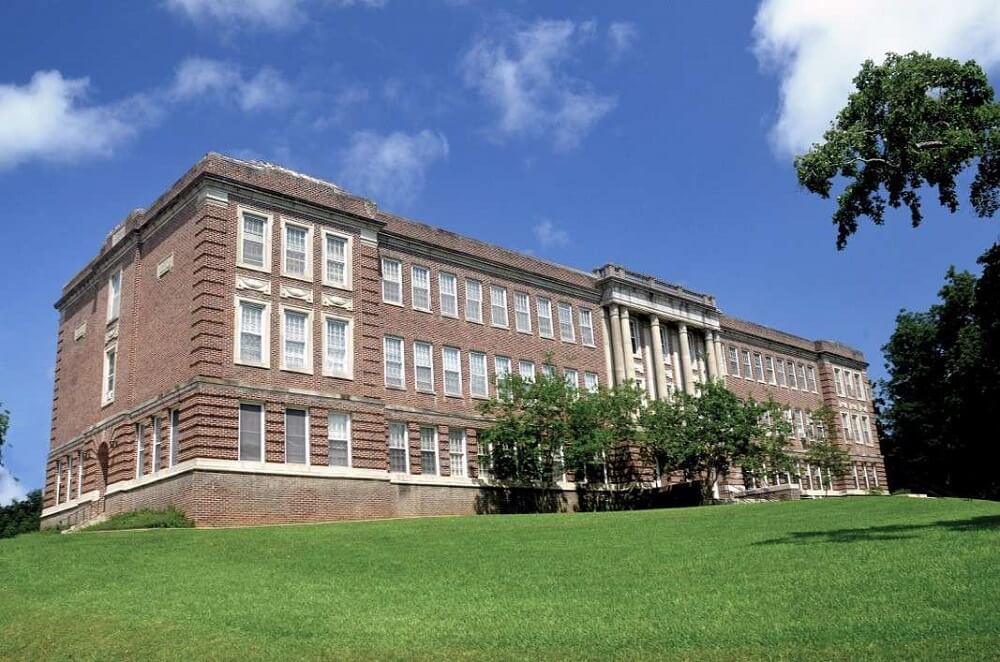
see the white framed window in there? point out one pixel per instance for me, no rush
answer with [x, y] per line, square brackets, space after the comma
[478, 383]
[156, 443]
[296, 340]
[175, 437]
[338, 436]
[544, 308]
[522, 312]
[428, 450]
[399, 457]
[747, 369]
[395, 363]
[108, 378]
[838, 384]
[498, 306]
[769, 370]
[572, 377]
[253, 330]
[79, 473]
[734, 360]
[296, 250]
[780, 370]
[849, 383]
[58, 480]
[502, 365]
[526, 370]
[590, 380]
[790, 373]
[758, 366]
[114, 295]
[566, 331]
[800, 424]
[473, 301]
[251, 432]
[338, 347]
[633, 335]
[846, 424]
[140, 452]
[859, 392]
[423, 366]
[548, 370]
[451, 359]
[456, 451]
[448, 290]
[856, 428]
[587, 327]
[69, 478]
[866, 431]
[337, 260]
[296, 436]
[392, 282]
[811, 378]
[420, 288]
[857, 483]
[665, 346]
[254, 248]
[802, 377]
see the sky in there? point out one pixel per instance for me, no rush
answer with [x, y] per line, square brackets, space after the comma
[657, 135]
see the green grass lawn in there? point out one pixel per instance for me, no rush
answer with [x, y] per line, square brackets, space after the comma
[871, 577]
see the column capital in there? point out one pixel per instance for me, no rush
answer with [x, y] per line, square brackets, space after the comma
[682, 328]
[654, 321]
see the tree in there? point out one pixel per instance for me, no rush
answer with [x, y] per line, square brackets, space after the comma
[915, 120]
[825, 453]
[22, 516]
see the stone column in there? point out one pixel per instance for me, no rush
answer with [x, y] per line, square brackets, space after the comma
[647, 363]
[626, 345]
[658, 369]
[609, 373]
[720, 355]
[710, 357]
[616, 342]
[682, 331]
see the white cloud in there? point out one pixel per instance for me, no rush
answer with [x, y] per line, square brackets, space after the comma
[817, 48]
[523, 75]
[393, 167]
[204, 77]
[257, 14]
[622, 35]
[10, 489]
[548, 234]
[49, 119]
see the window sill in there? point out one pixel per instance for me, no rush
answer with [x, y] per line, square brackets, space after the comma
[307, 278]
[338, 286]
[573, 342]
[393, 303]
[454, 396]
[527, 333]
[426, 391]
[266, 269]
[348, 377]
[449, 316]
[265, 366]
[423, 310]
[588, 345]
[297, 371]
[479, 322]
[393, 387]
[505, 327]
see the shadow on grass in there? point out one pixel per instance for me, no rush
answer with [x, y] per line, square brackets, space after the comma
[878, 533]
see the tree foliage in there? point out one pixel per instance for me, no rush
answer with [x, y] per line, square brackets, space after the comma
[22, 516]
[913, 121]
[937, 413]
[824, 452]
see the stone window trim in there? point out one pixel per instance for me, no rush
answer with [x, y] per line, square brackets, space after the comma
[348, 372]
[348, 282]
[265, 361]
[286, 224]
[388, 265]
[241, 212]
[114, 303]
[109, 376]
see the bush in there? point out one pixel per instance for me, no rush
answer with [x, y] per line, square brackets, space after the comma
[171, 518]
[22, 516]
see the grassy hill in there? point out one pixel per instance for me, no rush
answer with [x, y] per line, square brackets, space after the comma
[844, 579]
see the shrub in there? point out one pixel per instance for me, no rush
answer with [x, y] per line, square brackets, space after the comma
[171, 518]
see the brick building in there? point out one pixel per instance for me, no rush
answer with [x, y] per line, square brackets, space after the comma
[263, 346]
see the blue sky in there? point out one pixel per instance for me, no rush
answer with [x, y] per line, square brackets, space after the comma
[657, 135]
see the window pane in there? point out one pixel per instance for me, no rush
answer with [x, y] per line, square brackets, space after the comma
[336, 259]
[456, 451]
[336, 346]
[251, 332]
[587, 328]
[473, 301]
[566, 322]
[544, 317]
[338, 432]
[253, 239]
[295, 250]
[522, 312]
[392, 283]
[498, 305]
[397, 448]
[428, 450]
[449, 295]
[477, 374]
[452, 371]
[394, 362]
[295, 436]
[295, 339]
[250, 427]
[421, 288]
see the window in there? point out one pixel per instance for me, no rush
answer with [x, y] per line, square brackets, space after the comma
[296, 254]
[252, 346]
[526, 369]
[473, 301]
[456, 451]
[338, 347]
[811, 378]
[668, 353]
[498, 306]
[781, 372]
[478, 385]
[338, 434]
[522, 312]
[586, 327]
[79, 473]
[448, 285]
[251, 433]
[633, 334]
[423, 367]
[848, 383]
[802, 377]
[548, 370]
[254, 247]
[847, 427]
[296, 436]
[420, 288]
[175, 436]
[590, 381]
[837, 383]
[790, 371]
[336, 260]
[800, 424]
[428, 450]
[58, 479]
[69, 478]
[392, 282]
[866, 431]
[857, 483]
[452, 361]
[566, 331]
[758, 367]
[859, 392]
[544, 308]
[399, 459]
[572, 377]
[747, 370]
[856, 428]
[769, 369]
[140, 452]
[734, 362]
[394, 362]
[156, 444]
[503, 367]
[114, 295]
[296, 341]
[108, 381]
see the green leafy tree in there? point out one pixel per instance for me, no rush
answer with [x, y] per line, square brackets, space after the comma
[825, 453]
[22, 516]
[913, 121]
